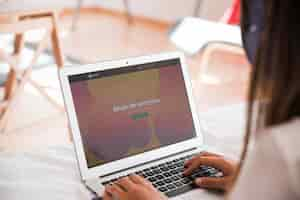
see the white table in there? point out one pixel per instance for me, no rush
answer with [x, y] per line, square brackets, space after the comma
[52, 174]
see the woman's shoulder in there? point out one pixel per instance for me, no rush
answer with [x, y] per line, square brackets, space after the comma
[286, 138]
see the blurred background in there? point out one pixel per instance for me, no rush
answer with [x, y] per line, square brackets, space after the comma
[38, 37]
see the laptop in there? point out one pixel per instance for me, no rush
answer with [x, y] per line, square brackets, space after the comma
[134, 115]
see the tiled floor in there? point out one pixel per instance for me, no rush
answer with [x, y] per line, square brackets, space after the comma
[37, 124]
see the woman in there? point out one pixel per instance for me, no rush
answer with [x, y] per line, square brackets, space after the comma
[271, 169]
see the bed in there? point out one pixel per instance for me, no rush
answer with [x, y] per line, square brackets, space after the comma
[53, 174]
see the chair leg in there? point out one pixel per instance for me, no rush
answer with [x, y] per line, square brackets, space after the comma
[56, 43]
[18, 43]
[76, 15]
[12, 100]
[11, 81]
[10, 84]
[197, 8]
[3, 122]
[70, 132]
[127, 10]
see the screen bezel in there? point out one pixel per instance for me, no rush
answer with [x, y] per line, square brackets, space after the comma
[138, 159]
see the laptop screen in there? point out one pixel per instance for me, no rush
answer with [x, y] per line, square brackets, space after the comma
[130, 110]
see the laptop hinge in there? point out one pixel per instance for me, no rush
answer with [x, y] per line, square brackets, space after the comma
[155, 160]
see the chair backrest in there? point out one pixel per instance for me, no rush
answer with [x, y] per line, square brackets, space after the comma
[7, 18]
[13, 23]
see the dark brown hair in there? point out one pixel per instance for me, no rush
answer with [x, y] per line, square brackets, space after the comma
[274, 91]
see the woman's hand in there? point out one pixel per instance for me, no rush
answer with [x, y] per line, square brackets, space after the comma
[132, 188]
[228, 167]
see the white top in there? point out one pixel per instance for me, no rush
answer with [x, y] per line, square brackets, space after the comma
[272, 169]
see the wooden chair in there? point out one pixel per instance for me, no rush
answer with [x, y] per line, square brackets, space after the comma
[77, 13]
[209, 52]
[18, 24]
[233, 14]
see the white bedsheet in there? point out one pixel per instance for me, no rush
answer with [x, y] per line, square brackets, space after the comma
[43, 175]
[53, 174]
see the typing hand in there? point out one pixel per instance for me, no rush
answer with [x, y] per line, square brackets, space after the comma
[133, 187]
[228, 168]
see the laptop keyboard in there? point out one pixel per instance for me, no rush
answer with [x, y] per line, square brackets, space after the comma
[168, 177]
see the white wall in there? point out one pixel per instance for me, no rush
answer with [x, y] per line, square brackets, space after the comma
[166, 10]
[214, 9]
[170, 10]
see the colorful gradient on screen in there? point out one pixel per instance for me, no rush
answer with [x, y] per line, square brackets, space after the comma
[131, 113]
